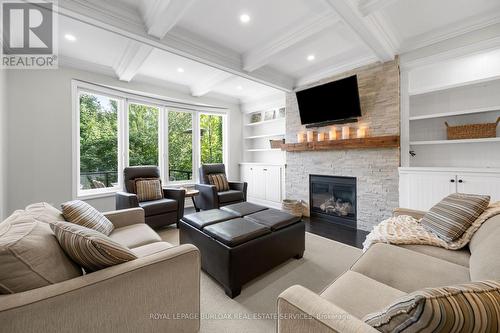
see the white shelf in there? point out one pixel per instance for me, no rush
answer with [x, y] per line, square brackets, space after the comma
[264, 136]
[262, 149]
[451, 86]
[446, 142]
[265, 122]
[457, 113]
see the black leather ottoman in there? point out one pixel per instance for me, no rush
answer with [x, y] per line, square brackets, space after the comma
[242, 241]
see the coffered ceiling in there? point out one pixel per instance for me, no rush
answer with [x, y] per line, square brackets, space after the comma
[250, 49]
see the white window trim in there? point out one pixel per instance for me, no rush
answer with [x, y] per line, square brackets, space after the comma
[126, 98]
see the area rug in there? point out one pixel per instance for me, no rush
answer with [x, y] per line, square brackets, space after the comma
[253, 310]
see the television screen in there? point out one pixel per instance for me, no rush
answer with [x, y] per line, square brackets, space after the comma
[333, 101]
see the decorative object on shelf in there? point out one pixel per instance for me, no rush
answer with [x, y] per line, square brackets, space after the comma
[345, 132]
[300, 137]
[332, 134]
[310, 136]
[269, 115]
[255, 117]
[276, 144]
[282, 113]
[472, 131]
[361, 132]
[294, 207]
[321, 136]
[388, 141]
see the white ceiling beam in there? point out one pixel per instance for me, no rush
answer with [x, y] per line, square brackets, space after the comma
[204, 87]
[162, 15]
[177, 41]
[266, 52]
[369, 33]
[134, 56]
[367, 7]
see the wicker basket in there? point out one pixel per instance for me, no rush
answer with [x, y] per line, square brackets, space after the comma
[472, 131]
[276, 144]
[293, 207]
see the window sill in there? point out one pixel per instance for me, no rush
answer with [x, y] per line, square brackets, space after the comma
[98, 194]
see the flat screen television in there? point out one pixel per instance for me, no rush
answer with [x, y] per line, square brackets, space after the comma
[330, 103]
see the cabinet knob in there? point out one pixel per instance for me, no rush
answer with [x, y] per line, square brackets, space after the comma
[460, 181]
[265, 169]
[452, 180]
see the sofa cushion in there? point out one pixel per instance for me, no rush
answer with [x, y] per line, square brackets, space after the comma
[453, 215]
[243, 208]
[207, 217]
[44, 212]
[470, 307]
[148, 189]
[158, 207]
[219, 180]
[149, 249]
[134, 235]
[89, 248]
[273, 218]
[408, 270]
[230, 196]
[459, 257]
[488, 228]
[81, 213]
[237, 231]
[30, 256]
[484, 261]
[360, 295]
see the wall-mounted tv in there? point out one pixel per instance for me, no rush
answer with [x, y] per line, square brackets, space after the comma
[334, 102]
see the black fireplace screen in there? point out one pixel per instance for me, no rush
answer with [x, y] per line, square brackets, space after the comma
[333, 198]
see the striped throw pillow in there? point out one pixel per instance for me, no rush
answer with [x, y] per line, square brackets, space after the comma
[81, 213]
[89, 248]
[470, 307]
[220, 181]
[453, 215]
[148, 189]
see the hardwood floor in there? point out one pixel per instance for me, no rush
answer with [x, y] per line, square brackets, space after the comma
[326, 229]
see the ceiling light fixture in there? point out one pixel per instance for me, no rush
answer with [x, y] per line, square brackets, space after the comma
[70, 37]
[180, 70]
[311, 57]
[239, 87]
[244, 18]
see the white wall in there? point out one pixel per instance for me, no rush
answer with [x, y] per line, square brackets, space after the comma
[40, 133]
[3, 144]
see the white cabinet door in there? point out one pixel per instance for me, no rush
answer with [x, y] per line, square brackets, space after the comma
[246, 176]
[422, 190]
[479, 184]
[259, 182]
[273, 183]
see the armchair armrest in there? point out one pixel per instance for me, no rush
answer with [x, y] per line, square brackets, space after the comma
[418, 214]
[166, 283]
[301, 310]
[125, 217]
[208, 198]
[179, 195]
[239, 186]
[126, 200]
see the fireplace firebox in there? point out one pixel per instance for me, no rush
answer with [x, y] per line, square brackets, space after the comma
[333, 198]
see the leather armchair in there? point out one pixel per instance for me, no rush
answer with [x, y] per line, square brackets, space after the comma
[209, 198]
[158, 213]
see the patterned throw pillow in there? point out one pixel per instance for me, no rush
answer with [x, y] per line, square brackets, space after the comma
[453, 215]
[220, 181]
[83, 214]
[89, 248]
[148, 189]
[470, 307]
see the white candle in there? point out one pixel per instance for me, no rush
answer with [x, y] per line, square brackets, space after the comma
[310, 136]
[321, 136]
[332, 134]
[345, 132]
[361, 132]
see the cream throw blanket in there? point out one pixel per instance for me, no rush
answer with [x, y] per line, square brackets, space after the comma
[405, 229]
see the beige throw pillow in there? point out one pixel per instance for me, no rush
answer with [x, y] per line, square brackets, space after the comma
[89, 248]
[81, 213]
[220, 181]
[453, 215]
[148, 189]
[469, 307]
[30, 256]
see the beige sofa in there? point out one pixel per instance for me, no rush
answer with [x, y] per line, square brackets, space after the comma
[384, 273]
[158, 292]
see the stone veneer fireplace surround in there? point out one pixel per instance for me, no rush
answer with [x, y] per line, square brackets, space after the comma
[375, 169]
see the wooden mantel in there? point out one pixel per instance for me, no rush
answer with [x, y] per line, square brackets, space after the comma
[391, 141]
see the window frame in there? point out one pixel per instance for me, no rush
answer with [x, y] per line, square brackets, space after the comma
[124, 100]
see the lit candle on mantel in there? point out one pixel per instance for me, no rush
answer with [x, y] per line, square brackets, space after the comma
[332, 133]
[321, 136]
[310, 136]
[345, 132]
[300, 137]
[361, 132]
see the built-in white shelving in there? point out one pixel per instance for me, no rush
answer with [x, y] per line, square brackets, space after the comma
[447, 142]
[272, 135]
[266, 122]
[444, 87]
[457, 113]
[263, 149]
